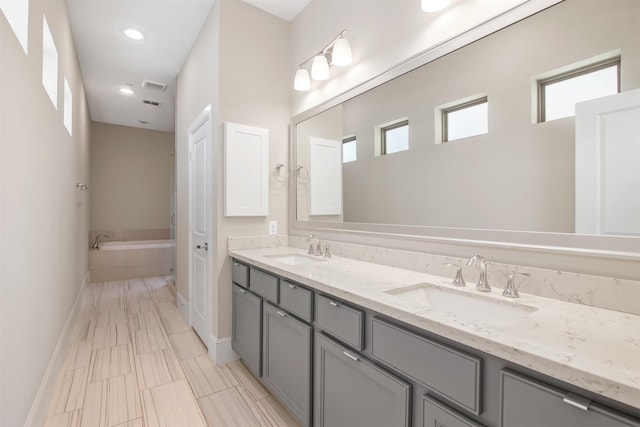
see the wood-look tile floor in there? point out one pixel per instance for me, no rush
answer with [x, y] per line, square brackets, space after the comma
[133, 361]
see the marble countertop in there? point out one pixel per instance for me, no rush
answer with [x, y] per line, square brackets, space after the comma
[592, 348]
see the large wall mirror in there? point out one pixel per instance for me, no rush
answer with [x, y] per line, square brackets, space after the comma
[392, 154]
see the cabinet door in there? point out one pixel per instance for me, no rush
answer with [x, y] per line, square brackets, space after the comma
[246, 327]
[287, 361]
[350, 391]
[436, 414]
[527, 402]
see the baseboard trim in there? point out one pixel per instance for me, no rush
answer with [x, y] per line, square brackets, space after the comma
[220, 351]
[183, 307]
[40, 406]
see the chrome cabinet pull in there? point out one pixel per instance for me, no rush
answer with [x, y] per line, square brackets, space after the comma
[577, 401]
[281, 313]
[242, 291]
[335, 304]
[350, 356]
[292, 287]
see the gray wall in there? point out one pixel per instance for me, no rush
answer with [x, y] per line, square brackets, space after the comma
[130, 177]
[44, 219]
[519, 176]
[239, 64]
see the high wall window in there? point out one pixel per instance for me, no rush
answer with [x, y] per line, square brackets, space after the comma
[394, 137]
[349, 149]
[17, 14]
[466, 119]
[558, 95]
[49, 64]
[68, 107]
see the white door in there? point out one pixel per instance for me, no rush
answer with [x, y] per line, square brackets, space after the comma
[607, 159]
[200, 160]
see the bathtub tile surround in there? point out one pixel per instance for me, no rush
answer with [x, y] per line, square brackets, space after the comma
[131, 259]
[604, 292]
[592, 348]
[133, 234]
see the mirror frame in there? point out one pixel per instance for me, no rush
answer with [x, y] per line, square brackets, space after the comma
[619, 247]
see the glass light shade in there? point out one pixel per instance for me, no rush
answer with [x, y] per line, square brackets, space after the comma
[320, 68]
[434, 5]
[126, 91]
[302, 82]
[134, 34]
[341, 55]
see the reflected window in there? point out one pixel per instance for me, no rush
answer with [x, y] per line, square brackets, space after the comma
[559, 94]
[349, 149]
[395, 138]
[465, 120]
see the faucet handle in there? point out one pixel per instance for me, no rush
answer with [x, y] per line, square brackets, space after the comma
[326, 252]
[459, 280]
[511, 290]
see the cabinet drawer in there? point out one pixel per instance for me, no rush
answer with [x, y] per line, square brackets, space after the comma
[239, 273]
[449, 373]
[343, 322]
[435, 413]
[297, 300]
[263, 284]
[526, 402]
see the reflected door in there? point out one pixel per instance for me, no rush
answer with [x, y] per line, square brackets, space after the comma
[607, 159]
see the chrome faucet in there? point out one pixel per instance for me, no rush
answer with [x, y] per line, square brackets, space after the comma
[96, 242]
[314, 250]
[483, 282]
[511, 290]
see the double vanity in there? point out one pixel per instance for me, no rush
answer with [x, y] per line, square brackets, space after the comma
[343, 342]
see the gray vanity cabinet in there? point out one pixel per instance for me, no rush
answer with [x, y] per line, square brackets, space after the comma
[527, 402]
[350, 391]
[286, 364]
[246, 327]
[437, 414]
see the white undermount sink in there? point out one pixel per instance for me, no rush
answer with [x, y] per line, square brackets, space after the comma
[473, 308]
[295, 259]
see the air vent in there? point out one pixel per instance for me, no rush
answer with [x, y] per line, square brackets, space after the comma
[149, 102]
[148, 84]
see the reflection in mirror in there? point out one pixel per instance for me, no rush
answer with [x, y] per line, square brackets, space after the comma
[520, 175]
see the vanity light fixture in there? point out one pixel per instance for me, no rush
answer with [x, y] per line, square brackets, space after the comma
[126, 90]
[431, 6]
[134, 34]
[337, 52]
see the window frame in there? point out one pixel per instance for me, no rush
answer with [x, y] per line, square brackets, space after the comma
[568, 75]
[383, 135]
[457, 107]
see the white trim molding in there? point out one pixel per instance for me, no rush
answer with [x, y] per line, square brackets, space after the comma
[220, 351]
[183, 307]
[40, 406]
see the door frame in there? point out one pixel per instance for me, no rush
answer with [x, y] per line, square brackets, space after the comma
[205, 118]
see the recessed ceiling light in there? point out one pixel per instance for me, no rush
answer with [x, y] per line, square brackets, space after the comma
[126, 90]
[133, 34]
[431, 6]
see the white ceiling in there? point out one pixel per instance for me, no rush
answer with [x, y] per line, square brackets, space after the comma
[109, 60]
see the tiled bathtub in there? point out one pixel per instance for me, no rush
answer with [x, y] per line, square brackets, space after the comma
[131, 259]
